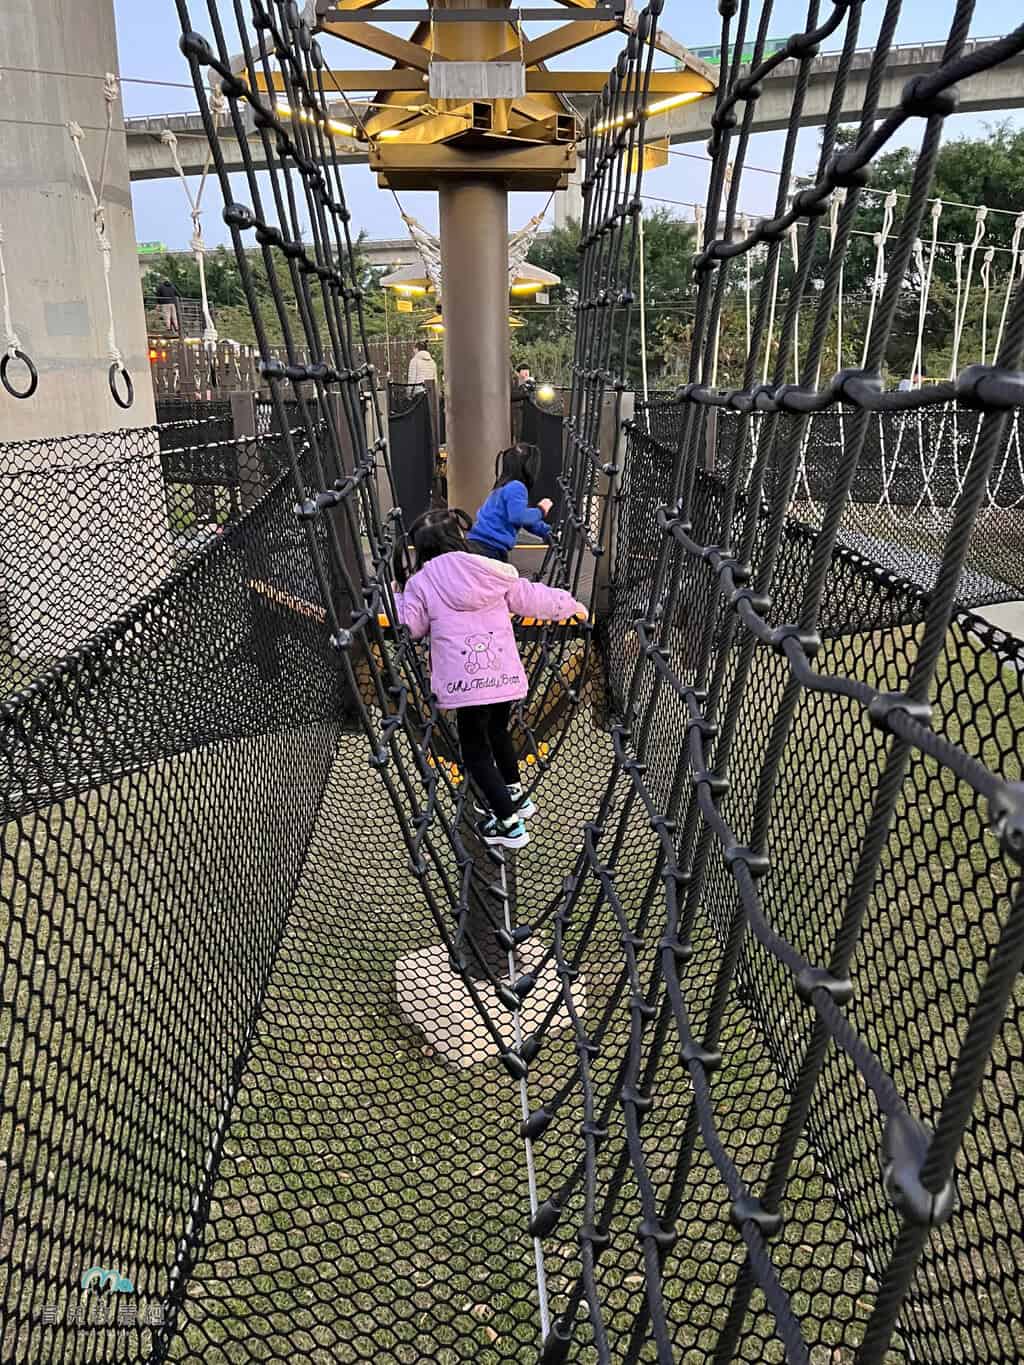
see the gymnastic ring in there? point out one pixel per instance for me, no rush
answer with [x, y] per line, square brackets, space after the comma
[33, 375]
[113, 374]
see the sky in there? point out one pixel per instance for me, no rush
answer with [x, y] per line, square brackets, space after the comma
[148, 32]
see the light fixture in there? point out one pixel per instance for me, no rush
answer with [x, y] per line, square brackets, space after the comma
[388, 133]
[546, 393]
[674, 101]
[344, 129]
[658, 107]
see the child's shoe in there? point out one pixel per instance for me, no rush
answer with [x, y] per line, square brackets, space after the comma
[524, 804]
[503, 833]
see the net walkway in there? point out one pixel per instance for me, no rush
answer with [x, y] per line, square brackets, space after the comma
[725, 1065]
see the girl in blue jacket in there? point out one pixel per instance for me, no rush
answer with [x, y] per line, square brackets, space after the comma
[507, 509]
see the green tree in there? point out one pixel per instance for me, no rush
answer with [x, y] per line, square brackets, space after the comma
[546, 343]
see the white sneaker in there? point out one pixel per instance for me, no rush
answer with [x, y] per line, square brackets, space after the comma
[503, 833]
[525, 806]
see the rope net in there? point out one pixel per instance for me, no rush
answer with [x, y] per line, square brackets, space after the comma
[724, 1065]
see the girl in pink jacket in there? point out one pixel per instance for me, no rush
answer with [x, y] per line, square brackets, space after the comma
[465, 603]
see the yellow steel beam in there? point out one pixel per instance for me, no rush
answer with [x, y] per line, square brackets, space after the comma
[537, 107]
[409, 166]
[399, 78]
[385, 44]
[593, 82]
[537, 82]
[563, 39]
[399, 110]
[429, 130]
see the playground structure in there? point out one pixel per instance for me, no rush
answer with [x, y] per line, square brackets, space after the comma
[291, 1057]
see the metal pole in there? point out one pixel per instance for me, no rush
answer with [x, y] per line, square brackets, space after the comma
[474, 255]
[474, 265]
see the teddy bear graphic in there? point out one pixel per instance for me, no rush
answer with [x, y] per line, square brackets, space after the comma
[480, 654]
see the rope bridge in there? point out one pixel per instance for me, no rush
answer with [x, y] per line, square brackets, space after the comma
[725, 1064]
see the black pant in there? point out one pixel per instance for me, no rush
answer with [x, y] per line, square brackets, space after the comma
[488, 753]
[488, 551]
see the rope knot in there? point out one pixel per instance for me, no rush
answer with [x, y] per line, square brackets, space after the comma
[111, 87]
[75, 131]
[169, 137]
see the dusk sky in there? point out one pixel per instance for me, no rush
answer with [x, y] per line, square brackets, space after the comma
[148, 41]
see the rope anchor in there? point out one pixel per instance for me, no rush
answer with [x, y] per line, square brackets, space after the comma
[12, 342]
[118, 370]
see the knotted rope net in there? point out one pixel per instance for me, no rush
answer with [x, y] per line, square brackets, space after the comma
[725, 1064]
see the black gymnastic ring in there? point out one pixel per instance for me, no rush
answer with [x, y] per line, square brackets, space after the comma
[113, 374]
[33, 375]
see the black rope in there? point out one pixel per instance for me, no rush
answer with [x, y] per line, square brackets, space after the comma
[766, 939]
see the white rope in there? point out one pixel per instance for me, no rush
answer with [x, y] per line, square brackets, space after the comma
[965, 294]
[838, 200]
[878, 279]
[12, 342]
[986, 283]
[520, 241]
[718, 319]
[917, 368]
[111, 92]
[524, 1103]
[794, 246]
[1016, 263]
[643, 306]
[698, 222]
[218, 106]
[745, 228]
[963, 289]
[771, 317]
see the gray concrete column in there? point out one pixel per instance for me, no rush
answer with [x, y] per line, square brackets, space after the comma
[55, 272]
[569, 202]
[93, 538]
[474, 263]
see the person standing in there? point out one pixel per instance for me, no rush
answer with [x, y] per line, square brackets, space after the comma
[422, 368]
[507, 509]
[167, 301]
[465, 604]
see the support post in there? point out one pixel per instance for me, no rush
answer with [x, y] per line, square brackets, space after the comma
[569, 202]
[474, 264]
[250, 472]
[612, 439]
[474, 258]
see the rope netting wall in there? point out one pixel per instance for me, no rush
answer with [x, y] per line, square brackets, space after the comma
[904, 493]
[724, 1065]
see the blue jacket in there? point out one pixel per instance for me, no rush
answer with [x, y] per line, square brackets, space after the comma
[506, 510]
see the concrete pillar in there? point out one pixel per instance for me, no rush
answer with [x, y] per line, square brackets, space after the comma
[113, 543]
[54, 268]
[569, 202]
[474, 260]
